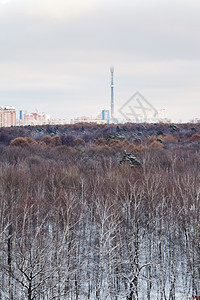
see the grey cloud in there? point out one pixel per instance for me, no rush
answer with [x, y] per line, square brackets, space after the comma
[153, 45]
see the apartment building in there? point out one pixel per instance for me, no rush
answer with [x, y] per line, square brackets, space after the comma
[7, 116]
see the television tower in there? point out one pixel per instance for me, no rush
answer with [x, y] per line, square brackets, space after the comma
[112, 94]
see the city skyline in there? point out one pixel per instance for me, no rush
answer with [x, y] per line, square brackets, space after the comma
[57, 57]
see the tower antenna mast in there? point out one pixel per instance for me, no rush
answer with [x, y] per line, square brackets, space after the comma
[112, 93]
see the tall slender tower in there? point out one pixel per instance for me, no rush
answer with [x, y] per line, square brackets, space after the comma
[112, 94]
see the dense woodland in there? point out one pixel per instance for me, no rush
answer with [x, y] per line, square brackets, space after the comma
[100, 212]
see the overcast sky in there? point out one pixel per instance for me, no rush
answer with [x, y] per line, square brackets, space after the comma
[55, 55]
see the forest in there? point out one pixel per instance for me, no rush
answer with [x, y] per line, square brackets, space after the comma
[105, 212]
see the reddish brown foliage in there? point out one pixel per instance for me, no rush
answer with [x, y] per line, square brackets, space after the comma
[78, 142]
[156, 144]
[195, 137]
[23, 142]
